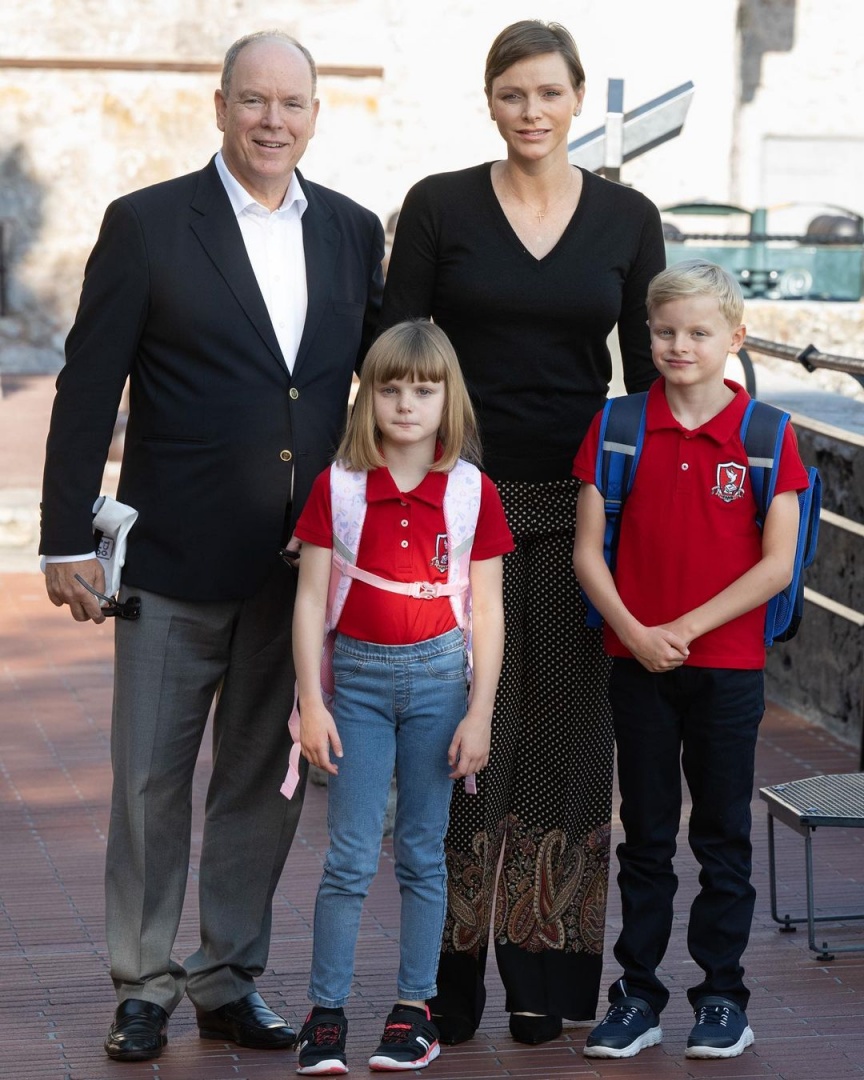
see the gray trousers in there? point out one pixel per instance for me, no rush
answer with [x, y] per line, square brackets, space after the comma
[170, 667]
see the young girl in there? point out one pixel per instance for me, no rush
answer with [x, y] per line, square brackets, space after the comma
[402, 545]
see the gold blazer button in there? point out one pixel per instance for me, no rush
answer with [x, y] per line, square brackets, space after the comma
[286, 455]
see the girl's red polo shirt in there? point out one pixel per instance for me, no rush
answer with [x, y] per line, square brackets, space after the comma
[686, 532]
[404, 539]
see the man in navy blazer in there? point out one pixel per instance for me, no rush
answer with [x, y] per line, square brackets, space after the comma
[238, 301]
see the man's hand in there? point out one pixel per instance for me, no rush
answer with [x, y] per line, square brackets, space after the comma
[64, 589]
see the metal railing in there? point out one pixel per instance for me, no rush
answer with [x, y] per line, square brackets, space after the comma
[810, 358]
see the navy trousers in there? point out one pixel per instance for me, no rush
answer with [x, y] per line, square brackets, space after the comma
[706, 720]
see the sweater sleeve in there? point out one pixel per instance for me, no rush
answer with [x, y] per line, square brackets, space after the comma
[410, 285]
[633, 336]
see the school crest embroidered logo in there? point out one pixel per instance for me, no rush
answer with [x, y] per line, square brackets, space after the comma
[442, 558]
[730, 481]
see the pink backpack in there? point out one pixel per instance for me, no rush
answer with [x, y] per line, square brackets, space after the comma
[348, 505]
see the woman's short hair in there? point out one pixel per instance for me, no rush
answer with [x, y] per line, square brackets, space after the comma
[531, 37]
[696, 277]
[261, 35]
[418, 350]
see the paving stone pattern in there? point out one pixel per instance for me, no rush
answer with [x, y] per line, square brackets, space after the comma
[56, 998]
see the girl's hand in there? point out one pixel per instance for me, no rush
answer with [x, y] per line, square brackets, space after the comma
[469, 751]
[318, 735]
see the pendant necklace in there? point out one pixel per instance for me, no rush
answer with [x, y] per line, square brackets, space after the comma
[540, 214]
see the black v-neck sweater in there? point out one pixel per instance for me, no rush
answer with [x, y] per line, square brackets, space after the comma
[530, 333]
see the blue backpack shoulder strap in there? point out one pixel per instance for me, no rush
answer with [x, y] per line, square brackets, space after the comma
[762, 428]
[622, 432]
[762, 431]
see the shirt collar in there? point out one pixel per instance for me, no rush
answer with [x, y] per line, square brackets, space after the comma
[380, 486]
[720, 428]
[241, 200]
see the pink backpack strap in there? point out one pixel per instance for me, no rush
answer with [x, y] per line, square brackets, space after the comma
[292, 777]
[348, 512]
[420, 590]
[461, 510]
[348, 506]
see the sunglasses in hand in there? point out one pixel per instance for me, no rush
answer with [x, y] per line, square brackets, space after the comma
[128, 609]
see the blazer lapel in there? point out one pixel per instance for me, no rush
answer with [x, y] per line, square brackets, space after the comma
[216, 228]
[321, 248]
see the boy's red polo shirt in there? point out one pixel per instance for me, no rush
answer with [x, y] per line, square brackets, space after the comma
[403, 539]
[686, 533]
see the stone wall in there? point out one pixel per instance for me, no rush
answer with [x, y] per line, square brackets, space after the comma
[72, 140]
[820, 673]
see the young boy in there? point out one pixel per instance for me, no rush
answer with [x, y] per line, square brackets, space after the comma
[684, 620]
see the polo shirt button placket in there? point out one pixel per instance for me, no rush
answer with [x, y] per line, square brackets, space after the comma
[402, 520]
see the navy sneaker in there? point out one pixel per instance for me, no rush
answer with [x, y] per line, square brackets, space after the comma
[721, 1029]
[321, 1043]
[410, 1041]
[628, 1027]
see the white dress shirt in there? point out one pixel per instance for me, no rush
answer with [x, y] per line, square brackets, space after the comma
[274, 244]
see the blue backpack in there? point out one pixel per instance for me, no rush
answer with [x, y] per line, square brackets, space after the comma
[622, 432]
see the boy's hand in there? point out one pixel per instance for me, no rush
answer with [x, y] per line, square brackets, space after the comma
[658, 649]
[469, 751]
[317, 735]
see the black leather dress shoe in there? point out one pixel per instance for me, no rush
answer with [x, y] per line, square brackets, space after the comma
[247, 1022]
[139, 1031]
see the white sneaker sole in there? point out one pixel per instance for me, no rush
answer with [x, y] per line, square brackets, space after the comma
[380, 1063]
[329, 1067]
[746, 1040]
[649, 1038]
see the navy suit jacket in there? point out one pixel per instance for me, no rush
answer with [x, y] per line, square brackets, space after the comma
[219, 434]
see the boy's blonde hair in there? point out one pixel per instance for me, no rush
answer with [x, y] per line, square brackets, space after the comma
[418, 350]
[695, 277]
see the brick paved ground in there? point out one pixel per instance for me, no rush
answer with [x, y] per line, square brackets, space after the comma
[56, 998]
[55, 994]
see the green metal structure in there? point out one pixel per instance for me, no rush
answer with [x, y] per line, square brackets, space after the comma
[826, 263]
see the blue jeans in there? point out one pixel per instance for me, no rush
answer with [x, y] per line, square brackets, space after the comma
[395, 706]
[705, 720]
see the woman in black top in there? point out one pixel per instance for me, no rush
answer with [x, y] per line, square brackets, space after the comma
[528, 263]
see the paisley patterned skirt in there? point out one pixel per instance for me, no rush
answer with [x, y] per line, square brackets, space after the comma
[533, 843]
